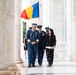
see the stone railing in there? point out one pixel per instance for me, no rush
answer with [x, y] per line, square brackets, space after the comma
[60, 50]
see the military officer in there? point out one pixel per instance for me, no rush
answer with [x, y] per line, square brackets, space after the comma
[41, 44]
[32, 39]
[47, 30]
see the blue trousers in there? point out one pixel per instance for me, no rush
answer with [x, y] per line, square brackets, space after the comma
[32, 52]
[40, 55]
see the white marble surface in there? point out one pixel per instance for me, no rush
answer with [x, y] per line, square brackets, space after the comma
[2, 32]
[10, 30]
[74, 27]
[60, 67]
[3, 42]
[55, 70]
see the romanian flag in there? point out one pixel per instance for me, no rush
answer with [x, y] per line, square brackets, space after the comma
[31, 12]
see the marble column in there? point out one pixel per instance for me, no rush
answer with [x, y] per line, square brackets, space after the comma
[74, 30]
[58, 24]
[50, 15]
[3, 67]
[9, 18]
[17, 30]
[10, 32]
[69, 31]
[18, 37]
[44, 13]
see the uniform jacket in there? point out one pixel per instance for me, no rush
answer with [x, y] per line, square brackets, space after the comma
[32, 36]
[42, 42]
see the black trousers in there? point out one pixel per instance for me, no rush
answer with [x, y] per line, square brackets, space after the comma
[40, 55]
[50, 55]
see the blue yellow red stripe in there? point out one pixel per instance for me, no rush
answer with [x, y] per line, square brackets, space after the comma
[31, 12]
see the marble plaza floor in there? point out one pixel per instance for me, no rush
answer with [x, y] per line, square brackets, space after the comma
[60, 67]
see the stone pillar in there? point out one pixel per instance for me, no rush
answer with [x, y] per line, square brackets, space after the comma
[40, 12]
[10, 35]
[50, 14]
[44, 13]
[69, 31]
[57, 19]
[18, 37]
[47, 14]
[3, 67]
[17, 30]
[74, 30]
[58, 24]
[10, 32]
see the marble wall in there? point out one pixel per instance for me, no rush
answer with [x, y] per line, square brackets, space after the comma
[59, 19]
[7, 30]
[10, 29]
[3, 43]
[55, 17]
[2, 31]
[74, 29]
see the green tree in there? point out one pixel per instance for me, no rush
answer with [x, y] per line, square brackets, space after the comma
[24, 29]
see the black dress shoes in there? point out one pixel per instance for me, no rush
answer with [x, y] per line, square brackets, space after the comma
[50, 64]
[40, 64]
[29, 66]
[33, 66]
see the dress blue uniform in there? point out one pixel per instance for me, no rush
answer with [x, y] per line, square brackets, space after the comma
[32, 36]
[41, 45]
